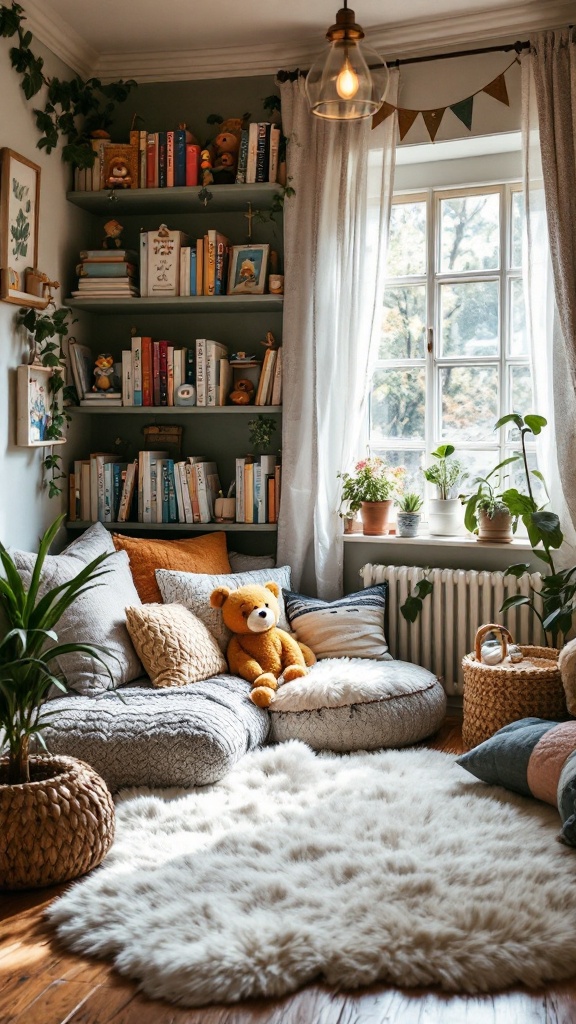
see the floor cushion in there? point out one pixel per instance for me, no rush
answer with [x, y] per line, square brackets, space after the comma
[185, 736]
[348, 704]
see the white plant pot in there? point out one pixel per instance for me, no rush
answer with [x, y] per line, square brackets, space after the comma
[446, 517]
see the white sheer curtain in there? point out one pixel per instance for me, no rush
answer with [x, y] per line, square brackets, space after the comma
[333, 294]
[554, 391]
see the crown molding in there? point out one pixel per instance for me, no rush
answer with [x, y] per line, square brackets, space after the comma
[410, 38]
[60, 38]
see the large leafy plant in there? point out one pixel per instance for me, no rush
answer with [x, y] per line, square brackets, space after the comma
[372, 480]
[26, 655]
[446, 473]
[557, 593]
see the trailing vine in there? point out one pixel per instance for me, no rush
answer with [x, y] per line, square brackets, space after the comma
[89, 102]
[48, 331]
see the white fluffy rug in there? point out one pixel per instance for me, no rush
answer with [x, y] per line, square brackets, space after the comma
[395, 866]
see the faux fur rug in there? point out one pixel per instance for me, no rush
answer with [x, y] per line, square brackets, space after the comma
[395, 866]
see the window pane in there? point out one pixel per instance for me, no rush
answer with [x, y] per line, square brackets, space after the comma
[403, 323]
[518, 338]
[412, 462]
[470, 233]
[469, 319]
[407, 240]
[517, 477]
[521, 394]
[517, 218]
[397, 404]
[478, 463]
[469, 403]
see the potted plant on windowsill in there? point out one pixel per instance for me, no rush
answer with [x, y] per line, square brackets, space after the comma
[56, 814]
[445, 516]
[408, 515]
[370, 489]
[486, 513]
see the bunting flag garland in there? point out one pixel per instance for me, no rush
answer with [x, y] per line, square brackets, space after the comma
[463, 109]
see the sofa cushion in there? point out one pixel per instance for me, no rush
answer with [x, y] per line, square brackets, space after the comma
[193, 591]
[96, 617]
[174, 646]
[203, 554]
[352, 626]
[184, 736]
[348, 704]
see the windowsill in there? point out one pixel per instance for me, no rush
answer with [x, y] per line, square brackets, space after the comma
[427, 540]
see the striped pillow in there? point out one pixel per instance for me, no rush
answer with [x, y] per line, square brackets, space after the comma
[352, 627]
[533, 757]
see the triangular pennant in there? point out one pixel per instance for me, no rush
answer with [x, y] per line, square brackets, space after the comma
[498, 90]
[385, 110]
[433, 120]
[406, 119]
[463, 111]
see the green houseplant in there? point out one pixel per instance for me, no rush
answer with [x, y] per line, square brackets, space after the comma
[59, 798]
[408, 515]
[486, 513]
[370, 490]
[445, 474]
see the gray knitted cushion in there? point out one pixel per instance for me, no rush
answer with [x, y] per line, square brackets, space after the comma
[359, 704]
[189, 736]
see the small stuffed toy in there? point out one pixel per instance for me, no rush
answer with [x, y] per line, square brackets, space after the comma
[105, 377]
[259, 651]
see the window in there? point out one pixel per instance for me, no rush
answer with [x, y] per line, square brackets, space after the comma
[452, 356]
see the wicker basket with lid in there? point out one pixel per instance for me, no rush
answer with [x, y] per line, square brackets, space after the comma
[495, 695]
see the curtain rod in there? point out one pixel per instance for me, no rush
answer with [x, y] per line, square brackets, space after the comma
[283, 75]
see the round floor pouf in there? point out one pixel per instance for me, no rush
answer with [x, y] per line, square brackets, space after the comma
[55, 827]
[348, 704]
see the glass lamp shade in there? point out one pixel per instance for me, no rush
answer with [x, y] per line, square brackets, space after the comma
[347, 82]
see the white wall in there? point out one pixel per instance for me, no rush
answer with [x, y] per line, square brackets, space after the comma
[25, 509]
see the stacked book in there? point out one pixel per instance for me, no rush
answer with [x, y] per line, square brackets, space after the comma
[107, 274]
[258, 156]
[172, 264]
[257, 489]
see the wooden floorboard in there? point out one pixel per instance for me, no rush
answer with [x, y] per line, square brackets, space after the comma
[42, 983]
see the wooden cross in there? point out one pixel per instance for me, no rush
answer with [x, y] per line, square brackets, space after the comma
[249, 216]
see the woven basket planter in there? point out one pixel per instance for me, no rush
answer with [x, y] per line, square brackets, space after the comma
[495, 695]
[56, 827]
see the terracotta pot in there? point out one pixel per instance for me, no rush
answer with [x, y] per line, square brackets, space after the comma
[375, 517]
[352, 525]
[497, 530]
[55, 827]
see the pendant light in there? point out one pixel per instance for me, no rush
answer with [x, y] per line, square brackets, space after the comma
[349, 81]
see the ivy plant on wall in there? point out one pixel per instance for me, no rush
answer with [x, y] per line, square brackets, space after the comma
[73, 109]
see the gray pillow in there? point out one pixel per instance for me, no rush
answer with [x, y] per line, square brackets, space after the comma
[97, 616]
[193, 589]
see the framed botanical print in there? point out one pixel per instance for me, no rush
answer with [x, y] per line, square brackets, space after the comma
[19, 216]
[34, 405]
[248, 269]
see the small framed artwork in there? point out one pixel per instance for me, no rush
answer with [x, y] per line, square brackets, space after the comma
[248, 269]
[19, 216]
[34, 405]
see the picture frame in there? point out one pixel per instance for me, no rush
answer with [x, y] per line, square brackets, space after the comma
[248, 269]
[34, 405]
[19, 220]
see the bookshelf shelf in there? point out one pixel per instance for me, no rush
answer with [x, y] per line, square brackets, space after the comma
[80, 524]
[182, 304]
[173, 410]
[175, 200]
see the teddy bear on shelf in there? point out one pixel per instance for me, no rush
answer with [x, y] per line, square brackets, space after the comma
[258, 651]
[105, 377]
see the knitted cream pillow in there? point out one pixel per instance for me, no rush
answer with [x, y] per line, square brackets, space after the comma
[174, 646]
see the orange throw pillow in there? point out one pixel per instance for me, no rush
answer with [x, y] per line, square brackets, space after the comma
[207, 554]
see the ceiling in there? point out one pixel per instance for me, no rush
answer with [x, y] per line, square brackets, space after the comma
[186, 39]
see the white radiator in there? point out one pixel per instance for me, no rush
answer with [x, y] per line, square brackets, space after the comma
[462, 600]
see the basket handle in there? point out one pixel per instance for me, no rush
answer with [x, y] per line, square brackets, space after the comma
[502, 633]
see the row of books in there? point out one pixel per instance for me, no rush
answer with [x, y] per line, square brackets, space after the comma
[258, 153]
[157, 373]
[170, 264]
[155, 488]
[258, 482]
[107, 273]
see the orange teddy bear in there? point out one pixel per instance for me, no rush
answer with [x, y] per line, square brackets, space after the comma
[258, 650]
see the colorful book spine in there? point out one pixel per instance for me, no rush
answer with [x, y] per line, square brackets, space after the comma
[156, 373]
[170, 375]
[170, 159]
[240, 463]
[180, 156]
[192, 163]
[162, 159]
[137, 370]
[184, 270]
[200, 371]
[248, 491]
[274, 152]
[199, 266]
[142, 153]
[163, 372]
[263, 151]
[143, 263]
[190, 366]
[152, 160]
[210, 264]
[97, 269]
[252, 151]
[193, 271]
[118, 468]
[242, 158]
[147, 372]
[221, 270]
[181, 468]
[127, 380]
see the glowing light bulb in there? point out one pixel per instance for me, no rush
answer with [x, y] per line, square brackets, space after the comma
[347, 81]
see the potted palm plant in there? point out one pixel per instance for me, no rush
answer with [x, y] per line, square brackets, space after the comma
[446, 474]
[56, 814]
[370, 489]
